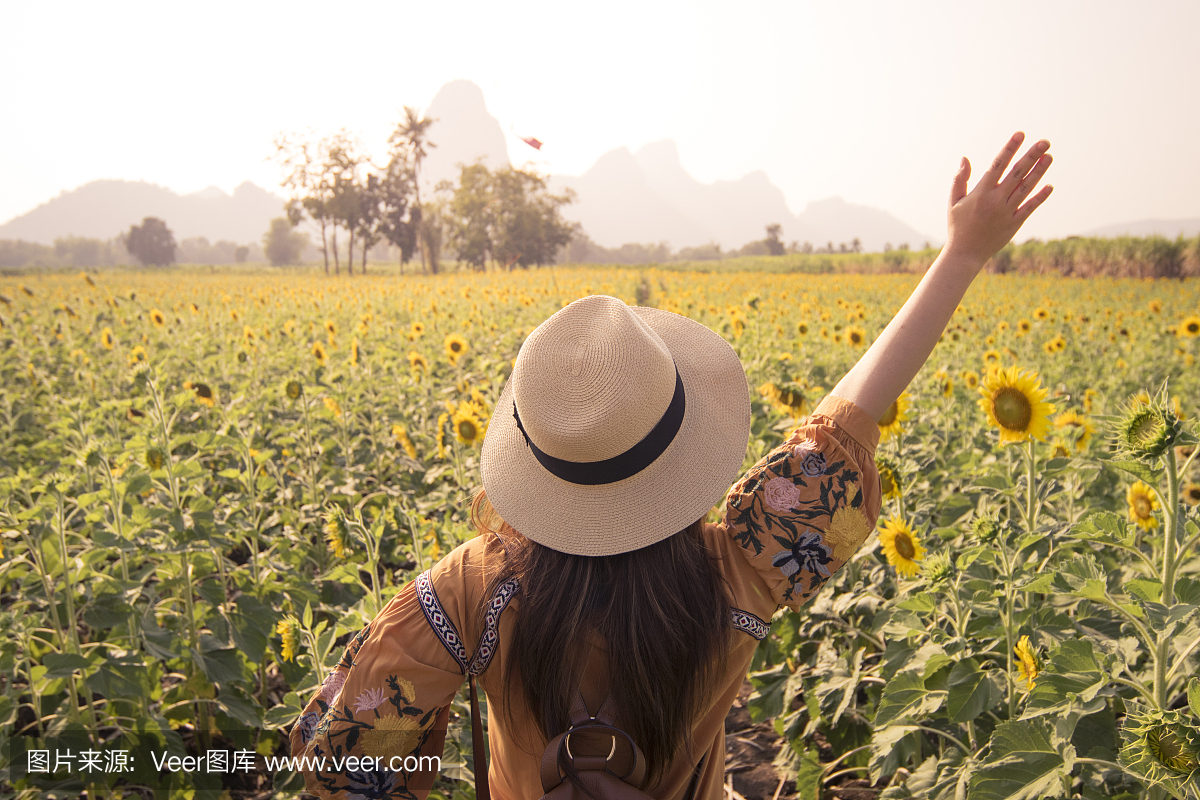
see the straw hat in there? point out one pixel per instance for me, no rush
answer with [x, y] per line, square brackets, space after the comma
[619, 427]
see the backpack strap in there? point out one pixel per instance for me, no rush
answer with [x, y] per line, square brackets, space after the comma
[558, 761]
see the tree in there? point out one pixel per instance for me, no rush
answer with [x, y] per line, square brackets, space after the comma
[151, 242]
[303, 161]
[408, 141]
[241, 254]
[774, 245]
[472, 215]
[281, 244]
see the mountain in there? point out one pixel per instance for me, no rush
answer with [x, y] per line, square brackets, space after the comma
[1150, 227]
[463, 131]
[104, 209]
[649, 197]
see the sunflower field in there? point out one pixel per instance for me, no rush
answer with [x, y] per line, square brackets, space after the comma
[210, 482]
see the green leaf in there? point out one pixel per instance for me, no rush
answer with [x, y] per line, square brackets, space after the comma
[1072, 671]
[890, 749]
[998, 482]
[905, 697]
[1103, 526]
[137, 484]
[237, 706]
[1082, 577]
[1042, 583]
[972, 691]
[1145, 588]
[1138, 470]
[308, 617]
[62, 665]
[121, 676]
[922, 603]
[1193, 695]
[808, 776]
[248, 636]
[1022, 765]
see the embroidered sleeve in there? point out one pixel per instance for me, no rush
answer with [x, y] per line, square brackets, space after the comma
[801, 513]
[378, 721]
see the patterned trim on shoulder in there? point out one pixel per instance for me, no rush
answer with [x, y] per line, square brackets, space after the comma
[439, 620]
[749, 623]
[491, 627]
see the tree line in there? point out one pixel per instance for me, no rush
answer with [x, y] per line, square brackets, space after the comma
[505, 217]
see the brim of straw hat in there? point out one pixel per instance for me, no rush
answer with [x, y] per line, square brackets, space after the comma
[678, 488]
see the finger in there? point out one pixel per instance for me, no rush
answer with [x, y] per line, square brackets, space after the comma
[958, 190]
[992, 176]
[1031, 180]
[1032, 204]
[1017, 174]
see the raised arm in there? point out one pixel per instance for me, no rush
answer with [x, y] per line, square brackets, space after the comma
[980, 223]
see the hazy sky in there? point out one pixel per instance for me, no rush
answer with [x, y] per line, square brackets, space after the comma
[873, 101]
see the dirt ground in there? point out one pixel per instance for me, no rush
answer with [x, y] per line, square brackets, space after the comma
[750, 750]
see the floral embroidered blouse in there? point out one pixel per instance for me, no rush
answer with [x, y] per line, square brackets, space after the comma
[790, 523]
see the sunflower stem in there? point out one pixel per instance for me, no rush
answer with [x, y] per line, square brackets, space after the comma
[1170, 542]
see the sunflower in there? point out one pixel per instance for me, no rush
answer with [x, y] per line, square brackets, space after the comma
[154, 458]
[1023, 327]
[802, 329]
[441, 434]
[456, 346]
[1055, 345]
[333, 406]
[293, 390]
[1191, 493]
[106, 339]
[1189, 328]
[1028, 665]
[336, 532]
[289, 629]
[856, 336]
[318, 351]
[1015, 402]
[417, 361]
[415, 331]
[970, 378]
[1040, 313]
[157, 317]
[137, 356]
[331, 328]
[901, 546]
[204, 394]
[944, 383]
[1142, 505]
[402, 439]
[991, 357]
[889, 423]
[354, 352]
[1002, 325]
[468, 428]
[889, 476]
[1078, 429]
[1156, 306]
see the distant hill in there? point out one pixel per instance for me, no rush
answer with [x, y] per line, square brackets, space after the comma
[1150, 227]
[463, 131]
[105, 209]
[649, 197]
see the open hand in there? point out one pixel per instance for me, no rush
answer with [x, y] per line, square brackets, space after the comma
[984, 220]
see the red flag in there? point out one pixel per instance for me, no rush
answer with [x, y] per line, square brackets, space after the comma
[532, 142]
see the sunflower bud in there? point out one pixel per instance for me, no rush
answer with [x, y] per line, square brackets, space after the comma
[294, 390]
[1147, 430]
[938, 568]
[154, 458]
[1161, 745]
[986, 529]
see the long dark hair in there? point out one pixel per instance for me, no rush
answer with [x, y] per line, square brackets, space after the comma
[662, 611]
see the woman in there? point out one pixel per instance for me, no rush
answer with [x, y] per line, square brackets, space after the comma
[596, 575]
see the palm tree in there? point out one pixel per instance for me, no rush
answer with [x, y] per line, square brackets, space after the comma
[410, 135]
